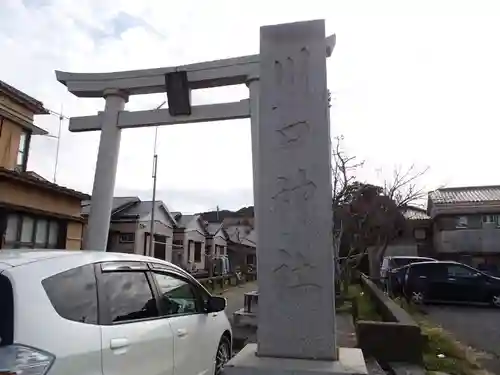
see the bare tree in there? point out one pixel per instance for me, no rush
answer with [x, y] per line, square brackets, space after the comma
[343, 177]
[404, 189]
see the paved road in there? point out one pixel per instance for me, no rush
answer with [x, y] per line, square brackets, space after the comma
[478, 327]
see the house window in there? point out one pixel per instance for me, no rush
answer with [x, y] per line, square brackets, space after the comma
[491, 219]
[461, 222]
[197, 251]
[127, 237]
[22, 153]
[26, 231]
[251, 259]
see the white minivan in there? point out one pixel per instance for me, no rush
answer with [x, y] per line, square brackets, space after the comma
[89, 313]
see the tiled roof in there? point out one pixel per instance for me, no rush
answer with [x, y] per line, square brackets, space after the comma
[184, 220]
[118, 202]
[35, 105]
[465, 194]
[415, 213]
[28, 178]
[213, 228]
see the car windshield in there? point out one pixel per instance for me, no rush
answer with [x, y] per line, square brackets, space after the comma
[6, 312]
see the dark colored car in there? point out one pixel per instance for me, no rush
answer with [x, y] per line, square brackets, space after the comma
[450, 282]
[392, 262]
[490, 269]
[392, 269]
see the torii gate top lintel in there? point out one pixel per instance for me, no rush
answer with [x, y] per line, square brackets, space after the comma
[225, 72]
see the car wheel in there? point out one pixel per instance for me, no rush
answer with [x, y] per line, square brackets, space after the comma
[495, 300]
[417, 297]
[223, 355]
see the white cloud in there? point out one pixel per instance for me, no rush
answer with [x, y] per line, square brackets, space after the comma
[413, 83]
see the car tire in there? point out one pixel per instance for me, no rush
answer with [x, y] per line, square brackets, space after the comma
[223, 354]
[495, 300]
[417, 297]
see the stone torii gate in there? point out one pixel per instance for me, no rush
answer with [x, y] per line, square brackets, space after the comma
[292, 182]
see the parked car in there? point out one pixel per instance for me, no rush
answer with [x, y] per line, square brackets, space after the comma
[392, 262]
[490, 269]
[69, 312]
[391, 271]
[448, 281]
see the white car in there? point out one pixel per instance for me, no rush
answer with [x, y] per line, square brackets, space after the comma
[89, 313]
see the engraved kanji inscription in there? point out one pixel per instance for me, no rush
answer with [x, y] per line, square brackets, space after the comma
[299, 185]
[295, 271]
[294, 132]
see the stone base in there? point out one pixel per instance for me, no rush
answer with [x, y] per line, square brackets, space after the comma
[241, 318]
[246, 362]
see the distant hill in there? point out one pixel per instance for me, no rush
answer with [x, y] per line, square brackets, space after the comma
[211, 216]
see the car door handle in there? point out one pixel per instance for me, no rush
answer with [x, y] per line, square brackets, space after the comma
[118, 343]
[451, 279]
[182, 332]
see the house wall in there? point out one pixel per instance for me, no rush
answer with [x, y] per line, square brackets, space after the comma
[220, 241]
[478, 237]
[74, 235]
[195, 236]
[114, 240]
[10, 135]
[160, 228]
[30, 196]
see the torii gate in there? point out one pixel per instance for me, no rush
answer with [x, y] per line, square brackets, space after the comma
[177, 82]
[291, 159]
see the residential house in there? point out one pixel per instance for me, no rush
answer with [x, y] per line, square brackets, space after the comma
[34, 212]
[216, 239]
[416, 238]
[130, 227]
[466, 223]
[190, 241]
[242, 244]
[216, 245]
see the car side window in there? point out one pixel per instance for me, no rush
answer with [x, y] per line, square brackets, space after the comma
[73, 294]
[129, 296]
[177, 296]
[455, 270]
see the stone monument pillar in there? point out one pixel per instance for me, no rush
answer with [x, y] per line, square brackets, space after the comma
[296, 318]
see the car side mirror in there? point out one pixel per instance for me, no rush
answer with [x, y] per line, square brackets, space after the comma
[216, 304]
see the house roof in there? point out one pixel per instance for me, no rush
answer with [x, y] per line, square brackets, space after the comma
[213, 228]
[469, 194]
[183, 220]
[242, 234]
[415, 213]
[144, 208]
[30, 179]
[24, 99]
[119, 203]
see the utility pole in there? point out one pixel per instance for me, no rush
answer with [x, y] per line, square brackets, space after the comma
[153, 201]
[61, 117]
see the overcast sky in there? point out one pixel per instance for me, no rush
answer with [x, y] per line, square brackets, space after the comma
[413, 82]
